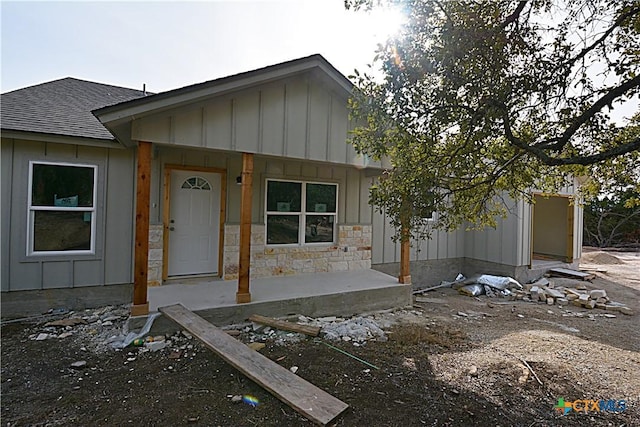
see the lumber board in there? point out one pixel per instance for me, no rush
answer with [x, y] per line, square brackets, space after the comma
[572, 273]
[313, 331]
[310, 401]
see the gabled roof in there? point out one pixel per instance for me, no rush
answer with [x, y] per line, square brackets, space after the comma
[62, 107]
[71, 107]
[174, 98]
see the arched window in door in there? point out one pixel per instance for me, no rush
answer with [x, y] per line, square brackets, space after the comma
[196, 183]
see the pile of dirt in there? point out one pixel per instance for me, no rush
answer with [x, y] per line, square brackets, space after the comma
[600, 258]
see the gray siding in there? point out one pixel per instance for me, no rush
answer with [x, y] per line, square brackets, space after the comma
[508, 244]
[441, 245]
[6, 172]
[297, 118]
[353, 205]
[112, 262]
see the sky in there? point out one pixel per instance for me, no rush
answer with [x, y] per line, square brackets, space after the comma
[167, 45]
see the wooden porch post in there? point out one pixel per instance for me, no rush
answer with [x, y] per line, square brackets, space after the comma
[141, 256]
[405, 254]
[405, 243]
[243, 295]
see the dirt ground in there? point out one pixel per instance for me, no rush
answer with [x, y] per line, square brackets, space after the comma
[451, 360]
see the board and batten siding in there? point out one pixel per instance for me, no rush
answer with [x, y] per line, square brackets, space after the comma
[296, 118]
[442, 245]
[508, 244]
[112, 262]
[353, 207]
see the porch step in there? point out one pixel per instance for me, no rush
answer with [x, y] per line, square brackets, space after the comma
[309, 400]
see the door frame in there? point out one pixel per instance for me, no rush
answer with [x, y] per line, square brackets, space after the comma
[570, 235]
[166, 211]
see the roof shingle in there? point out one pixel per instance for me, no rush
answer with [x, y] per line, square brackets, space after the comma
[62, 107]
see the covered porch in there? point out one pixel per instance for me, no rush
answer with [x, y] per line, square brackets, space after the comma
[342, 293]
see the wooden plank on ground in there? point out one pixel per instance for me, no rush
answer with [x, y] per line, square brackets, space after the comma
[565, 272]
[309, 400]
[313, 331]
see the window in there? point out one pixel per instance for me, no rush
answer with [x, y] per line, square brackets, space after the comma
[426, 213]
[62, 202]
[196, 183]
[426, 210]
[300, 212]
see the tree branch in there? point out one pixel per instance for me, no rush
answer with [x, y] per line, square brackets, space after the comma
[515, 15]
[606, 99]
[631, 12]
[540, 153]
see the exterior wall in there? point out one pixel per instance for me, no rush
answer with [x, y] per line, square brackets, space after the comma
[504, 250]
[352, 252]
[112, 262]
[298, 118]
[432, 260]
[508, 243]
[442, 245]
[354, 214]
[352, 183]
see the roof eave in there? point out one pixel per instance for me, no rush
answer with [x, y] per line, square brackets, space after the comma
[60, 139]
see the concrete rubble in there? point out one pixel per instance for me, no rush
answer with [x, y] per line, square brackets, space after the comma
[357, 330]
[566, 292]
[561, 291]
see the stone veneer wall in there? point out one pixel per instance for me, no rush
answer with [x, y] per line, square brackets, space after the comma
[351, 252]
[154, 275]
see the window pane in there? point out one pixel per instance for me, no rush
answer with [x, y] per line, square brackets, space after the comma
[321, 198]
[283, 196]
[282, 229]
[319, 228]
[61, 231]
[196, 183]
[56, 185]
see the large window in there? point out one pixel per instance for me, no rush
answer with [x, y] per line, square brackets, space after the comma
[62, 200]
[300, 212]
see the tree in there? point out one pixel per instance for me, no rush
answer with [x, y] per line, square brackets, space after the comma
[613, 220]
[485, 100]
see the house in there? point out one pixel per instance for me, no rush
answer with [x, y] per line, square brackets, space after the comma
[107, 191]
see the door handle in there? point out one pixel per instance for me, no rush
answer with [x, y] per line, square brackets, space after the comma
[172, 228]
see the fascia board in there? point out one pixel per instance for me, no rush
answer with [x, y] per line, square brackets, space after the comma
[60, 139]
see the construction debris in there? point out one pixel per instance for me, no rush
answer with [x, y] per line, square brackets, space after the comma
[310, 401]
[486, 284]
[286, 326]
[544, 290]
[459, 280]
[565, 272]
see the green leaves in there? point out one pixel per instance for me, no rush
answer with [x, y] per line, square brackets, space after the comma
[482, 101]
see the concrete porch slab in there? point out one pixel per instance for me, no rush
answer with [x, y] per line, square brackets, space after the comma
[315, 295]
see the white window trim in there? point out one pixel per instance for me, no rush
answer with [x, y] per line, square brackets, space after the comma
[301, 215]
[32, 209]
[432, 218]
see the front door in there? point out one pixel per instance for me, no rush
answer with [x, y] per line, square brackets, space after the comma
[194, 223]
